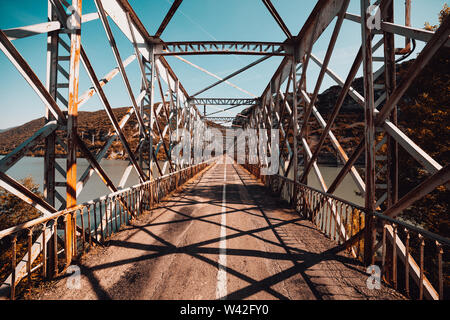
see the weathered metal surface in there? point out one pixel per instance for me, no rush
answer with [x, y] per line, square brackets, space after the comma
[18, 153]
[25, 70]
[277, 18]
[168, 17]
[275, 110]
[109, 112]
[222, 47]
[223, 101]
[369, 132]
[72, 130]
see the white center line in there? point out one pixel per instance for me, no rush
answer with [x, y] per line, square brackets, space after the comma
[221, 289]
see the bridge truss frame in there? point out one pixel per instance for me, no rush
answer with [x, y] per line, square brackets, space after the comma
[179, 110]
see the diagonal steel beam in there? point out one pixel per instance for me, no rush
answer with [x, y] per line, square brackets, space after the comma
[221, 80]
[99, 156]
[439, 178]
[110, 113]
[413, 149]
[116, 53]
[25, 194]
[168, 17]
[106, 79]
[436, 42]
[328, 54]
[277, 18]
[334, 113]
[20, 151]
[223, 110]
[25, 70]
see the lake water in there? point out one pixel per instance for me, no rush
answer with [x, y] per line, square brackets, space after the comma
[34, 167]
[347, 190]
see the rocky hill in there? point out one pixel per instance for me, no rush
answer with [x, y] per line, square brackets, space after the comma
[93, 127]
[431, 85]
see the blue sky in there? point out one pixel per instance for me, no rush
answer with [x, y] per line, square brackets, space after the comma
[194, 20]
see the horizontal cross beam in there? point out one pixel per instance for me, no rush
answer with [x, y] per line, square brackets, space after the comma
[223, 101]
[223, 47]
[219, 118]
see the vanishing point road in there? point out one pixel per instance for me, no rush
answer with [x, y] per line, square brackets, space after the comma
[222, 237]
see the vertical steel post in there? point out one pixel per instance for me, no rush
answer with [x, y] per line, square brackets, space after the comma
[152, 102]
[50, 141]
[369, 133]
[177, 108]
[51, 82]
[390, 84]
[141, 133]
[75, 44]
[294, 122]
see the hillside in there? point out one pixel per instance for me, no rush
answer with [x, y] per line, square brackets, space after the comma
[431, 88]
[91, 125]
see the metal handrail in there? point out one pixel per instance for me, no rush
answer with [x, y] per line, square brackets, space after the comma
[340, 220]
[378, 214]
[40, 220]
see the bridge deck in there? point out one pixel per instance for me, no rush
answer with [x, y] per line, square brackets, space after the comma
[204, 243]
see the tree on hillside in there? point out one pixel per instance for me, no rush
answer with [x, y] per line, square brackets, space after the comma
[425, 118]
[14, 210]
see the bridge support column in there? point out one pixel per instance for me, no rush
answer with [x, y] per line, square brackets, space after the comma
[72, 126]
[369, 133]
[50, 141]
[391, 175]
[295, 124]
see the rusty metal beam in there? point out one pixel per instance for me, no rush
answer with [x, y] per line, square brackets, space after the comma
[436, 42]
[20, 151]
[25, 70]
[116, 54]
[339, 102]
[25, 194]
[321, 16]
[222, 47]
[369, 134]
[168, 17]
[277, 18]
[110, 113]
[331, 45]
[72, 132]
[441, 177]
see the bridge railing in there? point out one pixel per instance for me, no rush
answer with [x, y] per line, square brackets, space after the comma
[426, 275]
[93, 222]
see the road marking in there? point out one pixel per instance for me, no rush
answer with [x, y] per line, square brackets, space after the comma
[221, 289]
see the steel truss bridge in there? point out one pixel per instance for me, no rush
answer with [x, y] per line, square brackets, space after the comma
[163, 106]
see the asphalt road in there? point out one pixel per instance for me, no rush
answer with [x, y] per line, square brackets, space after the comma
[223, 237]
